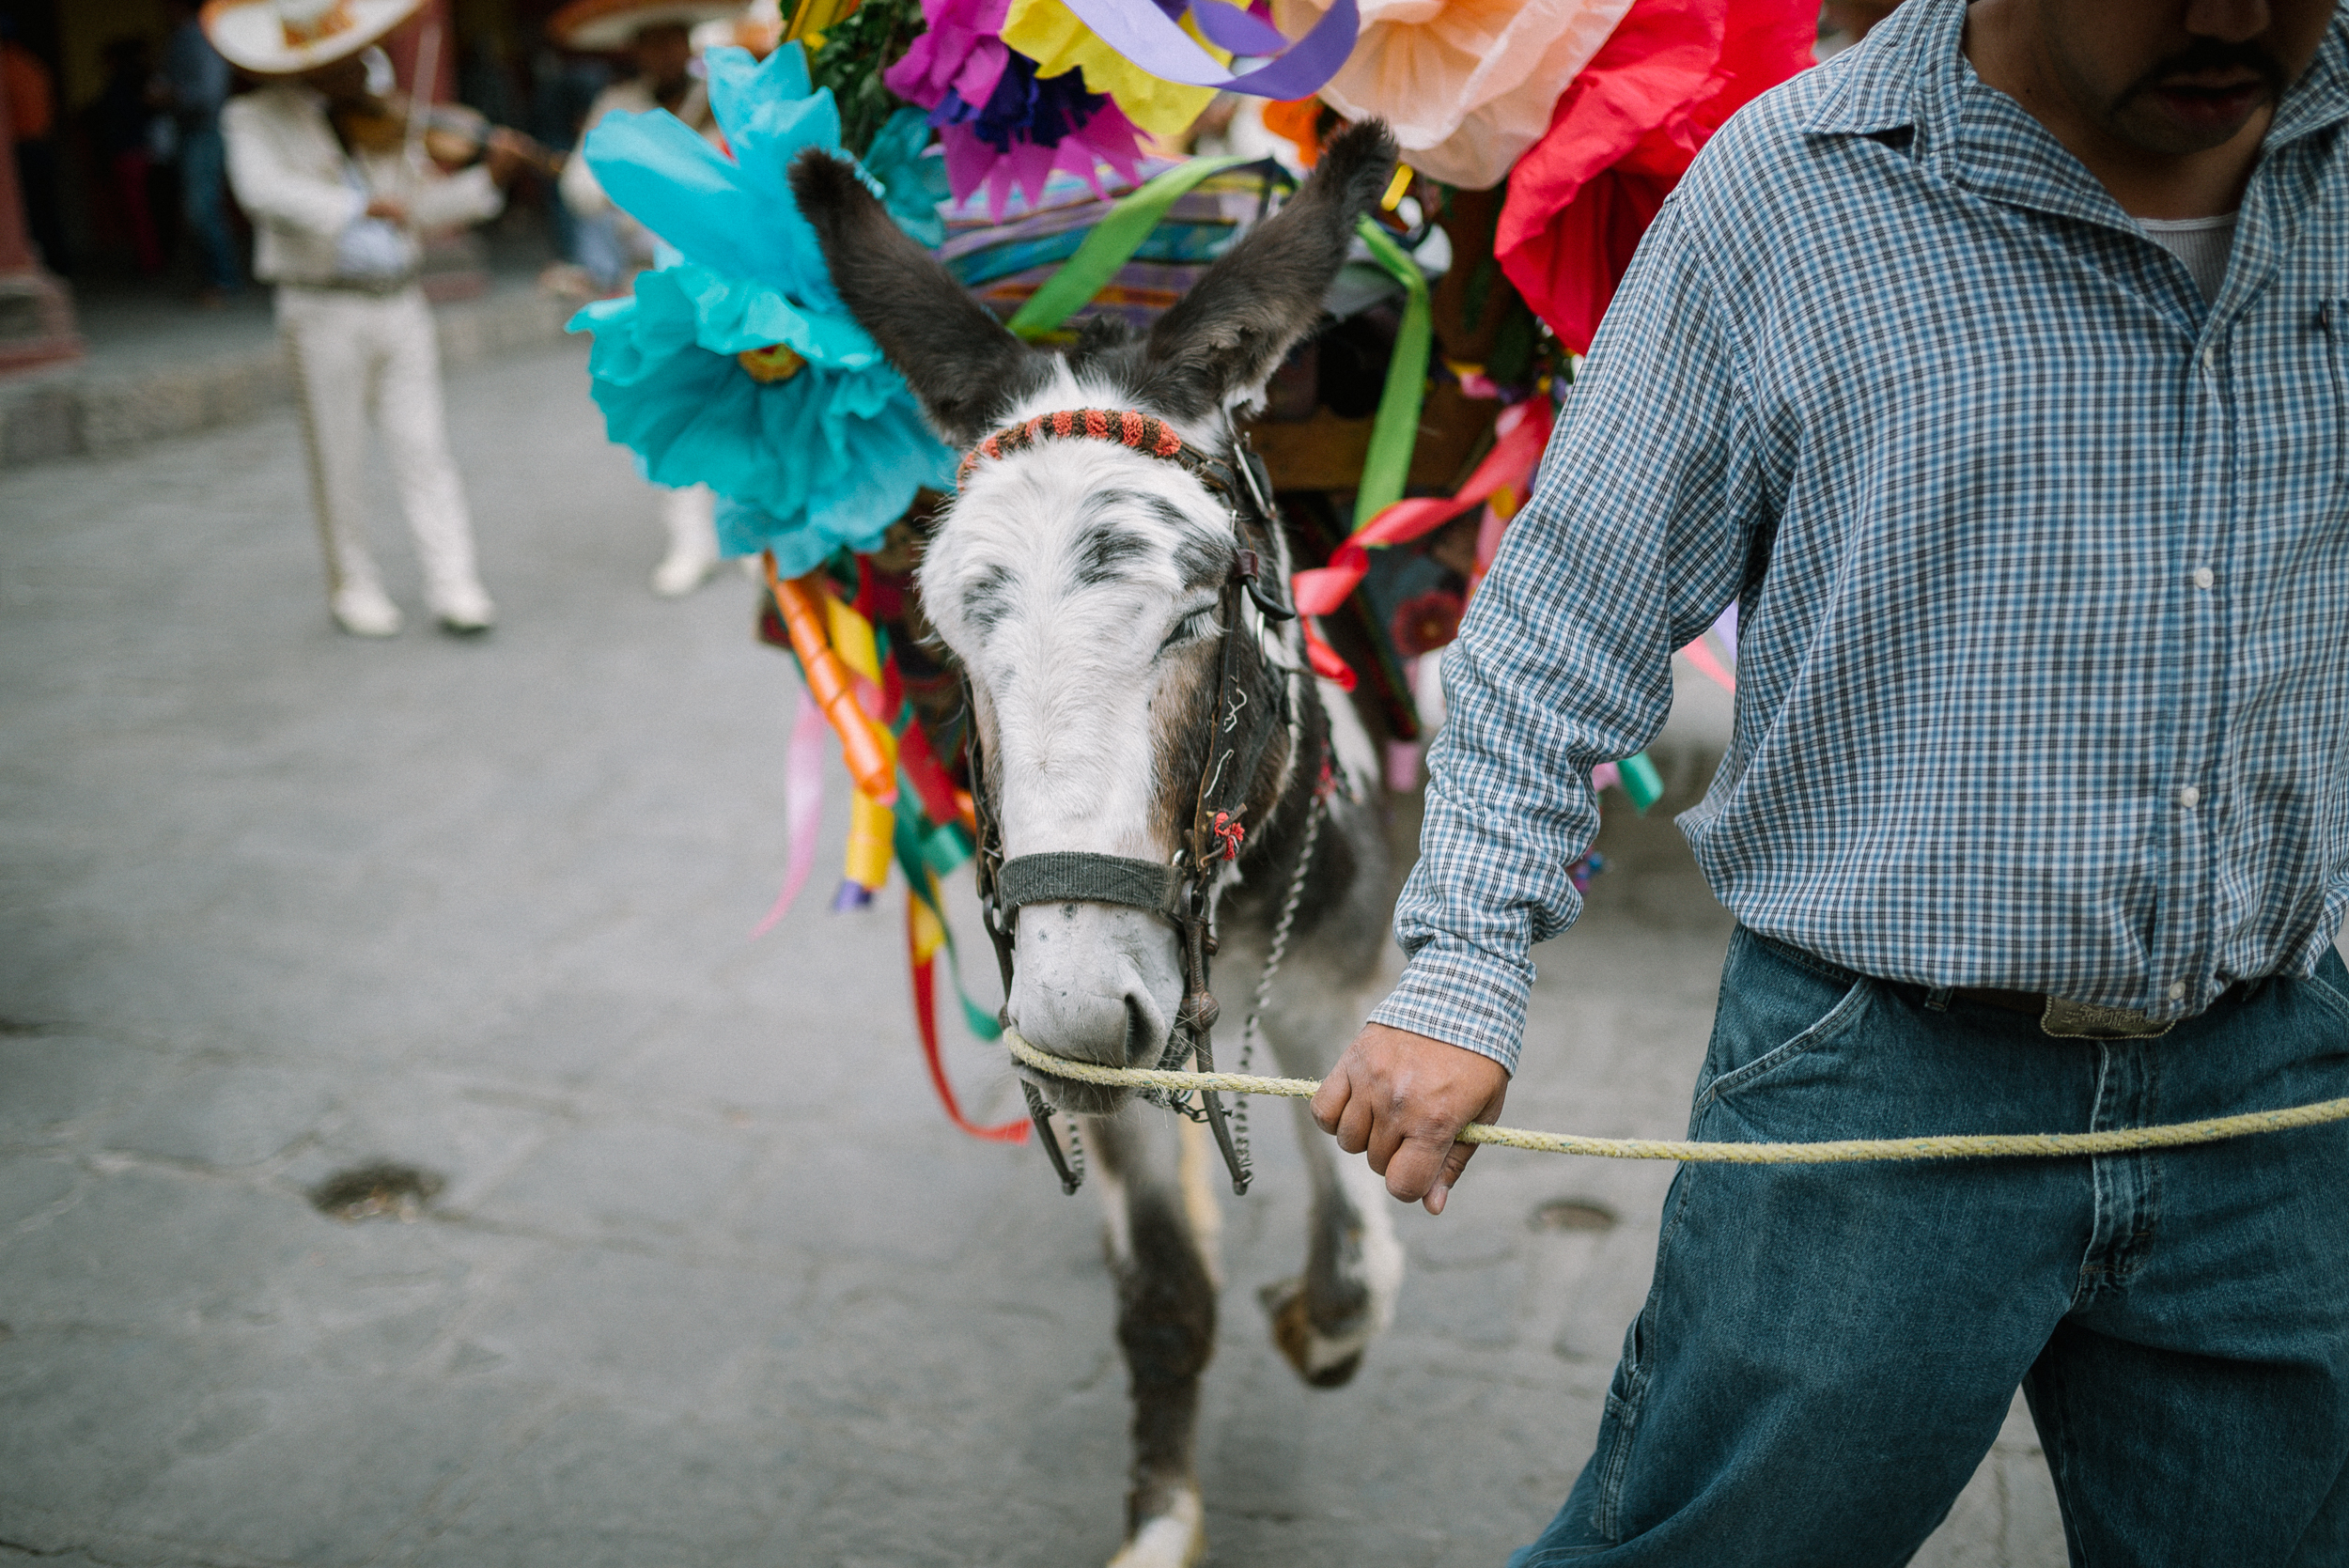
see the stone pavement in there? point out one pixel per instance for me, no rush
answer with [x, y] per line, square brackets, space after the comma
[709, 1281]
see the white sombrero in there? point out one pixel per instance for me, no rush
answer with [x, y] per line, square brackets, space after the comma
[599, 26]
[284, 38]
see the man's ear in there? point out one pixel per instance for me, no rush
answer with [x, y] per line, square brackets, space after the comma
[1223, 341]
[960, 362]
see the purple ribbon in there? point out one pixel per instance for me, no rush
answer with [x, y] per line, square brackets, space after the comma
[1240, 31]
[1142, 33]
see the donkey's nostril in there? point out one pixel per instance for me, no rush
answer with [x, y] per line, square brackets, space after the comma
[1139, 1050]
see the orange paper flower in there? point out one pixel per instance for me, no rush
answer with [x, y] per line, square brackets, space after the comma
[1466, 85]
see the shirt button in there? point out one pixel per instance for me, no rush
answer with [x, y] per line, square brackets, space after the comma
[2177, 990]
[2210, 359]
[2190, 796]
[2205, 577]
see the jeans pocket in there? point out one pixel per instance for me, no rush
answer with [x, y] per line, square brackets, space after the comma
[2332, 991]
[1766, 995]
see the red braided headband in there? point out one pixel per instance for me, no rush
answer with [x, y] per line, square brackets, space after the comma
[1144, 433]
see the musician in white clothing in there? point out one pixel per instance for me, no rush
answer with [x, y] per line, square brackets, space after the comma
[337, 193]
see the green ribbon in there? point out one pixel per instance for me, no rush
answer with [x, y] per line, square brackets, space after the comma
[1111, 244]
[918, 856]
[1641, 781]
[1395, 432]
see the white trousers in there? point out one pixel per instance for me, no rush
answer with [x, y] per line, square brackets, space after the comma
[356, 355]
[689, 517]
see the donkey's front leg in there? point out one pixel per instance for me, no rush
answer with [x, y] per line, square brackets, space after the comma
[1325, 1318]
[1161, 1234]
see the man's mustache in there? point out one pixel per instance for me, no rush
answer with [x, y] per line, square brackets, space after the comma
[2209, 56]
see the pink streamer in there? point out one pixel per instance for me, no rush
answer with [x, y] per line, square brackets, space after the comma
[803, 804]
[1701, 656]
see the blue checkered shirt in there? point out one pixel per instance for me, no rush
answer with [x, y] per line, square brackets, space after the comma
[2042, 563]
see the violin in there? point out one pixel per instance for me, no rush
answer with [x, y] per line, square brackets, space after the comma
[451, 134]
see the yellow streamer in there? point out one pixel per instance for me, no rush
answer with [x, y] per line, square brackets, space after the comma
[2002, 1145]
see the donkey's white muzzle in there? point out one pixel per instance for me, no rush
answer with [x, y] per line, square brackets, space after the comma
[1094, 983]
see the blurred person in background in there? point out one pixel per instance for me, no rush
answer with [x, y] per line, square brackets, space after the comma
[199, 81]
[614, 247]
[320, 157]
[32, 133]
[562, 87]
[132, 137]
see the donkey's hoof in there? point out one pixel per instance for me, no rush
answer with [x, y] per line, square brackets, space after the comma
[1175, 1539]
[1324, 1361]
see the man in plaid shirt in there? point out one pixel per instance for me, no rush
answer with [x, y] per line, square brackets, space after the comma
[1999, 370]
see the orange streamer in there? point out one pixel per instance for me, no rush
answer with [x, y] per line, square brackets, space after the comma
[801, 602]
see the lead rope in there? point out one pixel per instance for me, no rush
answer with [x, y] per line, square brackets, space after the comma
[1998, 1145]
[1273, 954]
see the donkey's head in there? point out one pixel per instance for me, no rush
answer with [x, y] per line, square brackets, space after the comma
[1084, 583]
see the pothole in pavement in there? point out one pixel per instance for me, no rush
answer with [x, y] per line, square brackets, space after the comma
[382, 1191]
[1574, 1214]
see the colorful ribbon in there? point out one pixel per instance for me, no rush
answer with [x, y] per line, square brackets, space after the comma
[1394, 432]
[1701, 656]
[1145, 34]
[1521, 435]
[802, 806]
[926, 933]
[800, 602]
[1111, 244]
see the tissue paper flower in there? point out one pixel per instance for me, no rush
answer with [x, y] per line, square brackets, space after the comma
[1049, 33]
[1006, 123]
[736, 366]
[1466, 85]
[1622, 135]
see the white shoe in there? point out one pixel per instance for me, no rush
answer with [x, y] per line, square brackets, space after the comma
[364, 612]
[464, 609]
[686, 568]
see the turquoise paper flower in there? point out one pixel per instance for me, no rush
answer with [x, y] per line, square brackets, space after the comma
[824, 455]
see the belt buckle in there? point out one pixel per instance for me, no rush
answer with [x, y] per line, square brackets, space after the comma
[2081, 1020]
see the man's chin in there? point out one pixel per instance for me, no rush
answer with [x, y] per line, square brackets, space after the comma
[2180, 122]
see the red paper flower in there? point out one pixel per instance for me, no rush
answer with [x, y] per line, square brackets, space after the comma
[1427, 622]
[1624, 132]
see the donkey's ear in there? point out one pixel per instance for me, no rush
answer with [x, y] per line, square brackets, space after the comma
[957, 358]
[1223, 340]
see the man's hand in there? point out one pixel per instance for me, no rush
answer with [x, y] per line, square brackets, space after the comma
[1403, 1098]
[389, 207]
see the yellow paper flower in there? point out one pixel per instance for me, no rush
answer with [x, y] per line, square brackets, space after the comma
[1466, 85]
[1049, 33]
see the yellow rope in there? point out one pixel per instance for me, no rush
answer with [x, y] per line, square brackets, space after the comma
[1946, 1146]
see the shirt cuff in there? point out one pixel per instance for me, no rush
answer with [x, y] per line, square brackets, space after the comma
[1464, 996]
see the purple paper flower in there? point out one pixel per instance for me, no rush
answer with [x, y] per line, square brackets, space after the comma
[1001, 126]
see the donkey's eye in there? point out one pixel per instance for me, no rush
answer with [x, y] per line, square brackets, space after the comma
[1191, 628]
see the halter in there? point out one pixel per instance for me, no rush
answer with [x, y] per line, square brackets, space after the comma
[1182, 892]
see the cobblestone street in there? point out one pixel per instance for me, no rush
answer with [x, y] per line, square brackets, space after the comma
[708, 1281]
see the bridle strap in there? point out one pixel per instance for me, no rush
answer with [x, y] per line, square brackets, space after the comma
[1064, 875]
[1247, 715]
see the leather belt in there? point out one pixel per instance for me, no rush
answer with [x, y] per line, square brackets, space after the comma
[2070, 1020]
[2058, 1017]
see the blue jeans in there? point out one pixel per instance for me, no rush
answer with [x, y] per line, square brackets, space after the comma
[1829, 1351]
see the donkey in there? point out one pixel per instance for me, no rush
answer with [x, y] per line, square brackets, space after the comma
[1091, 591]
